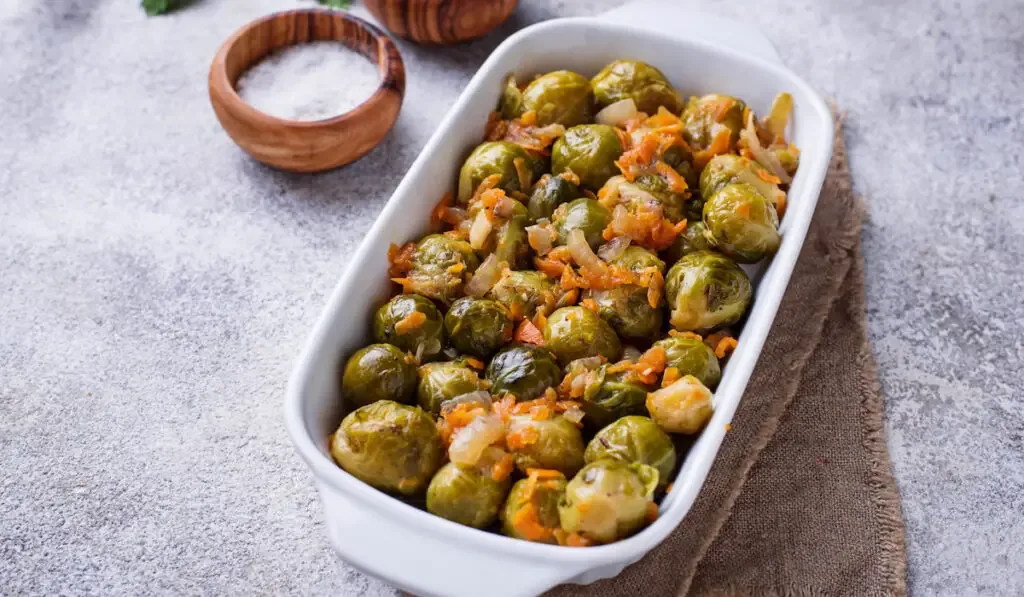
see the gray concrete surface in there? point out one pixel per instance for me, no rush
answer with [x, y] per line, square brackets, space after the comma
[155, 285]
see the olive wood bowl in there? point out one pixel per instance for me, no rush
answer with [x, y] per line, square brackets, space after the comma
[306, 146]
[440, 22]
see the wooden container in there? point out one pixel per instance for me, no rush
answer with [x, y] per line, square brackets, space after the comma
[440, 22]
[306, 146]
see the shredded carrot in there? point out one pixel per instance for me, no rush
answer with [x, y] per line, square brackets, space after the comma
[485, 185]
[517, 311]
[550, 394]
[780, 204]
[725, 346]
[529, 334]
[540, 321]
[719, 145]
[529, 118]
[524, 172]
[722, 108]
[652, 512]
[503, 468]
[676, 183]
[474, 363]
[400, 259]
[590, 304]
[411, 359]
[504, 407]
[549, 267]
[527, 525]
[410, 323]
[577, 540]
[621, 366]
[544, 473]
[678, 334]
[540, 412]
[570, 298]
[768, 177]
[495, 128]
[564, 405]
[570, 176]
[650, 364]
[521, 438]
[655, 289]
[671, 376]
[743, 209]
[668, 487]
[437, 215]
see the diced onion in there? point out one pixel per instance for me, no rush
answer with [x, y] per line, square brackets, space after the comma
[485, 277]
[541, 238]
[613, 248]
[617, 113]
[471, 441]
[505, 208]
[480, 230]
[573, 414]
[761, 155]
[479, 397]
[582, 254]
[778, 115]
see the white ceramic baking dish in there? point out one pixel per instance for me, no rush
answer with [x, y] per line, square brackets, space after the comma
[427, 555]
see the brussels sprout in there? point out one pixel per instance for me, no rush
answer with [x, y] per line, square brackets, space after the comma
[508, 239]
[466, 495]
[690, 356]
[626, 307]
[511, 104]
[524, 371]
[608, 500]
[635, 439]
[390, 446]
[576, 332]
[548, 194]
[560, 97]
[590, 151]
[691, 240]
[705, 118]
[478, 327]
[531, 509]
[378, 372]
[637, 259]
[706, 290]
[523, 291]
[425, 339]
[553, 443]
[611, 396]
[742, 223]
[444, 381]
[584, 214]
[729, 168]
[789, 158]
[494, 157]
[682, 407]
[641, 82]
[645, 192]
[433, 273]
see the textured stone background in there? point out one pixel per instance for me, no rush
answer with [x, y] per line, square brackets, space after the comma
[155, 285]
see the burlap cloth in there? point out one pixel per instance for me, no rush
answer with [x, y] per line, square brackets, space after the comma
[800, 500]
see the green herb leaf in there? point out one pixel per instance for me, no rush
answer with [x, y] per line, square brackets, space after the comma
[342, 4]
[159, 7]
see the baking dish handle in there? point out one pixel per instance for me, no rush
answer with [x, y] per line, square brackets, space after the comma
[694, 25]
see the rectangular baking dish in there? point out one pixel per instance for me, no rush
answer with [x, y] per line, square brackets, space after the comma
[427, 555]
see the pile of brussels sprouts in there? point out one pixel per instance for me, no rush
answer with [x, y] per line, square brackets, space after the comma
[559, 334]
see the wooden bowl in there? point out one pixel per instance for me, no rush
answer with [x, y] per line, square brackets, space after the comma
[306, 146]
[440, 22]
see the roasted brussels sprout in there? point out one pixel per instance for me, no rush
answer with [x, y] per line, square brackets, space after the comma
[691, 240]
[682, 407]
[552, 443]
[531, 509]
[641, 82]
[444, 381]
[711, 118]
[440, 265]
[627, 307]
[576, 332]
[378, 372]
[412, 323]
[729, 168]
[742, 223]
[646, 192]
[390, 446]
[635, 439]
[691, 356]
[524, 371]
[560, 97]
[706, 290]
[511, 104]
[611, 396]
[590, 151]
[548, 194]
[466, 495]
[496, 157]
[608, 500]
[583, 214]
[523, 291]
[478, 327]
[507, 238]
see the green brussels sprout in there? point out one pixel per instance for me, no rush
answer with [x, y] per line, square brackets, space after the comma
[584, 214]
[511, 104]
[635, 439]
[553, 443]
[560, 97]
[523, 291]
[646, 191]
[390, 446]
[425, 340]
[478, 327]
[626, 307]
[608, 500]
[531, 509]
[590, 151]
[742, 223]
[729, 168]
[691, 240]
[466, 495]
[691, 356]
[432, 274]
[707, 117]
[706, 290]
[508, 239]
[685, 406]
[494, 157]
[611, 396]
[378, 372]
[524, 371]
[641, 82]
[444, 381]
[789, 158]
[576, 332]
[548, 194]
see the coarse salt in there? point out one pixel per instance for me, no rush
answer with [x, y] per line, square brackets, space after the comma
[311, 81]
